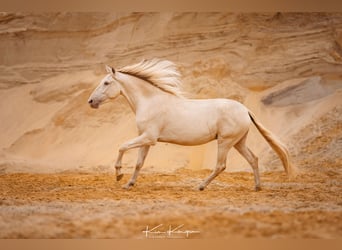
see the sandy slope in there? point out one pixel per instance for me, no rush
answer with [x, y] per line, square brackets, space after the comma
[287, 68]
[51, 63]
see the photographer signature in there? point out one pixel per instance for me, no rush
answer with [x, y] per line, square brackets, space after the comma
[169, 233]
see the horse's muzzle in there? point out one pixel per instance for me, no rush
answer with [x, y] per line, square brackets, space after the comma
[93, 104]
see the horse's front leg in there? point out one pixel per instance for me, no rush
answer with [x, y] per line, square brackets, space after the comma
[140, 162]
[141, 141]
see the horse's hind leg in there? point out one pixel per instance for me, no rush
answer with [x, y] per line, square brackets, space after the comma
[222, 151]
[141, 158]
[251, 158]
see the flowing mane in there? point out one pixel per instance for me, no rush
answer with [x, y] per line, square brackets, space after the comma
[160, 73]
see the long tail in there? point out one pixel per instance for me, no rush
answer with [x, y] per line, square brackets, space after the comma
[276, 145]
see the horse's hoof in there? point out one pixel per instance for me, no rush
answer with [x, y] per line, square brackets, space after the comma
[201, 188]
[257, 188]
[119, 177]
[128, 186]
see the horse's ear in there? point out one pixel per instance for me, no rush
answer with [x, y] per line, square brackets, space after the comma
[110, 70]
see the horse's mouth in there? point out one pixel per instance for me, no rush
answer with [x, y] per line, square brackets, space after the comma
[94, 105]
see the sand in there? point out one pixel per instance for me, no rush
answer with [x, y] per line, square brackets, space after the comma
[74, 205]
[57, 154]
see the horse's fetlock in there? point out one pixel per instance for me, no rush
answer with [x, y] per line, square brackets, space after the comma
[222, 168]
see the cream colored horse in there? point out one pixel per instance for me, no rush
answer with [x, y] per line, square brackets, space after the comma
[152, 89]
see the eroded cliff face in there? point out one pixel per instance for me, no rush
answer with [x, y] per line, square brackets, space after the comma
[286, 67]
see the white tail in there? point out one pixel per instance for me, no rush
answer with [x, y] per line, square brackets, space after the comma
[276, 145]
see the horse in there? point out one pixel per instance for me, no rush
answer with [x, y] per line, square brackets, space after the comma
[152, 89]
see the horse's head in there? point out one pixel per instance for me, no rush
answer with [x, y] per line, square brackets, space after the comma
[107, 89]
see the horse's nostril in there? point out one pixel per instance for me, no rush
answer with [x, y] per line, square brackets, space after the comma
[90, 101]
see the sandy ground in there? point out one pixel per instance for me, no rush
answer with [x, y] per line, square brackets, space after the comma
[84, 205]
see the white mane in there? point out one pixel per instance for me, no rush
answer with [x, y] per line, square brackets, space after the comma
[160, 73]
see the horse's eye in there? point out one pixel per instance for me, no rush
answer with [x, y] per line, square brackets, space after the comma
[106, 83]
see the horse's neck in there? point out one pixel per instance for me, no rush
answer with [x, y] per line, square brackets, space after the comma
[137, 91]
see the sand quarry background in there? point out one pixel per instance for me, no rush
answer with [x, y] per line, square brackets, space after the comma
[56, 154]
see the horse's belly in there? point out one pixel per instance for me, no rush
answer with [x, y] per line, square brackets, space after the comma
[186, 141]
[193, 134]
